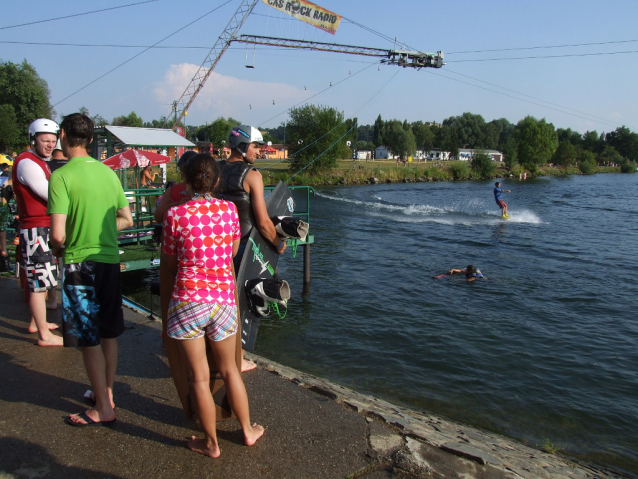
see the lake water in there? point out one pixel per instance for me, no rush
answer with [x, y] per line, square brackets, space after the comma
[545, 348]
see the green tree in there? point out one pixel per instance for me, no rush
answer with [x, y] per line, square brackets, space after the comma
[587, 162]
[566, 134]
[398, 140]
[28, 97]
[129, 120]
[624, 141]
[491, 134]
[482, 164]
[537, 142]
[505, 130]
[510, 153]
[565, 154]
[378, 132]
[98, 120]
[610, 155]
[591, 141]
[450, 142]
[345, 151]
[9, 133]
[217, 132]
[314, 133]
[628, 167]
[161, 123]
[469, 129]
[423, 136]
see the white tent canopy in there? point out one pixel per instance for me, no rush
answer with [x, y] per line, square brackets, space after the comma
[132, 136]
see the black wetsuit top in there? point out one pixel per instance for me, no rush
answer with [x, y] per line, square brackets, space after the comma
[231, 188]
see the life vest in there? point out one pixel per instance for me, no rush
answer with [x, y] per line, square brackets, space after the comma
[231, 188]
[31, 208]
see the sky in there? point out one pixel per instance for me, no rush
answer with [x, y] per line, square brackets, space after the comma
[572, 62]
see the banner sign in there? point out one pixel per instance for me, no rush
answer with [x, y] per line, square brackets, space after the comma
[309, 13]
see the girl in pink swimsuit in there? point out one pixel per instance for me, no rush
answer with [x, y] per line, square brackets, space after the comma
[200, 239]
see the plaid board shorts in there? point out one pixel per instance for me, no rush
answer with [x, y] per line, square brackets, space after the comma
[188, 320]
[37, 259]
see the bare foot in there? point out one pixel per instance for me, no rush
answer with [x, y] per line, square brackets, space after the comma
[247, 365]
[250, 437]
[52, 341]
[199, 445]
[90, 397]
[34, 329]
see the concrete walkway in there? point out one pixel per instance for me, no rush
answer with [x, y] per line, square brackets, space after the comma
[314, 429]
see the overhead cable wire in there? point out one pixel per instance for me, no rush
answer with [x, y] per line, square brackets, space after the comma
[143, 51]
[323, 153]
[318, 93]
[543, 47]
[374, 32]
[338, 125]
[190, 47]
[591, 117]
[542, 56]
[75, 15]
[517, 98]
[529, 96]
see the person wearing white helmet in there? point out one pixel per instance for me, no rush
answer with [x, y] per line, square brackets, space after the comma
[242, 184]
[31, 174]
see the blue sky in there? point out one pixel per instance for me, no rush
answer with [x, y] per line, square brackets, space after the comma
[576, 88]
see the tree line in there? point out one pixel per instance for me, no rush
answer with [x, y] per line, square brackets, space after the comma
[316, 136]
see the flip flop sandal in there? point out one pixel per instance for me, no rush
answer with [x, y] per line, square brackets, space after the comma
[89, 422]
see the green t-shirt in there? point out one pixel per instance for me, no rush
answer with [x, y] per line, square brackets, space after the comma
[90, 194]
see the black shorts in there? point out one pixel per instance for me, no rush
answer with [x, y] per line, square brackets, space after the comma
[91, 303]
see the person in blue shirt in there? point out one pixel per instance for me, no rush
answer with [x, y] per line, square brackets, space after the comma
[498, 196]
[472, 273]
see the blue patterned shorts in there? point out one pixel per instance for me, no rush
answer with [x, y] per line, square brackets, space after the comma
[91, 303]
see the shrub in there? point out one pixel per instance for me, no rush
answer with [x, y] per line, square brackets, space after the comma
[587, 162]
[459, 170]
[482, 164]
[628, 167]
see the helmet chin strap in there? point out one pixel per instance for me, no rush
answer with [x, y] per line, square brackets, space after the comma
[242, 149]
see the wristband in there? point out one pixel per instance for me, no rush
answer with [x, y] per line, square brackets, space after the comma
[280, 245]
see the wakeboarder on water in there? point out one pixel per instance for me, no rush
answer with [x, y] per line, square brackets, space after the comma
[498, 196]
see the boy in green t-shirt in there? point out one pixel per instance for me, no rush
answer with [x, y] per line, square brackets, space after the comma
[88, 207]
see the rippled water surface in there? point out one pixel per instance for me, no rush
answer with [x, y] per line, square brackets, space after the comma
[547, 347]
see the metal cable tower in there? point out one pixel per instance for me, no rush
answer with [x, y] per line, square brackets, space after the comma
[199, 79]
[403, 58]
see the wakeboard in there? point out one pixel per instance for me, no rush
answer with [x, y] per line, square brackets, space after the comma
[260, 261]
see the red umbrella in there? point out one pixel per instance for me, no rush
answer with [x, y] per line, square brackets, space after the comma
[269, 149]
[135, 158]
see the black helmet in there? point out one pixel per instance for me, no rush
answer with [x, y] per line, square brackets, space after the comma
[185, 158]
[241, 136]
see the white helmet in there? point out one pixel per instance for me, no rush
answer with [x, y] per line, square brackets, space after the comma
[42, 125]
[58, 146]
[243, 135]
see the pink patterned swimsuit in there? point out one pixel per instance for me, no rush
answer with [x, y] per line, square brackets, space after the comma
[201, 235]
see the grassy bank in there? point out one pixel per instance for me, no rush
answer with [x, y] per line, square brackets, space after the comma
[361, 172]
